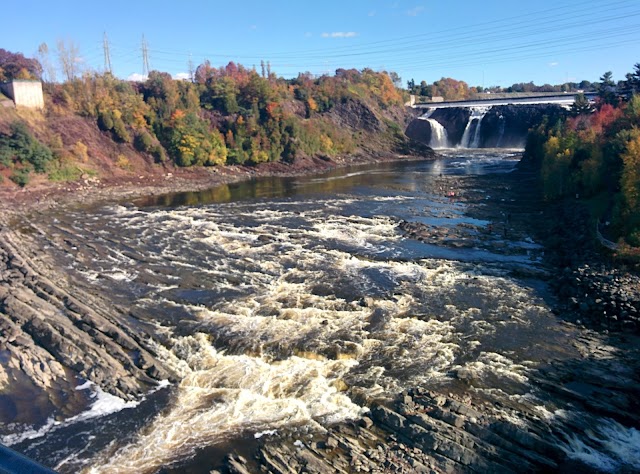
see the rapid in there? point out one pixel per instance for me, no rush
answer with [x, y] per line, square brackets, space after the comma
[288, 305]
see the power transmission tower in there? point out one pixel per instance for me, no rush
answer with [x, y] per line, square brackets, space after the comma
[191, 69]
[107, 54]
[145, 57]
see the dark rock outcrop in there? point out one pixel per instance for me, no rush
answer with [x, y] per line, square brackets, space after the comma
[356, 115]
[51, 338]
[420, 131]
[506, 126]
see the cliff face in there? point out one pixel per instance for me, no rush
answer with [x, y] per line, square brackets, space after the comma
[504, 126]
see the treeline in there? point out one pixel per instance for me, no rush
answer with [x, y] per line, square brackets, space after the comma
[452, 89]
[225, 115]
[595, 153]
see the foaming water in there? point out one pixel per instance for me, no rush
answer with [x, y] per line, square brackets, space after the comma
[609, 447]
[222, 396]
[293, 303]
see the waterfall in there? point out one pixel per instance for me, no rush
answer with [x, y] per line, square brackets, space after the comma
[471, 135]
[500, 131]
[439, 138]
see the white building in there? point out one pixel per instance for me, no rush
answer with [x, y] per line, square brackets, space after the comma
[24, 93]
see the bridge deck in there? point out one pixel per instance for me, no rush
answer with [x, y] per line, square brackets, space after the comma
[560, 99]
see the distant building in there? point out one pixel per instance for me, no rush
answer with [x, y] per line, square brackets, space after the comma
[437, 98]
[24, 93]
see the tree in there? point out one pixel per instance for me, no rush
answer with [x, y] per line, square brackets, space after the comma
[632, 84]
[581, 106]
[16, 66]
[396, 79]
[49, 71]
[69, 57]
[606, 89]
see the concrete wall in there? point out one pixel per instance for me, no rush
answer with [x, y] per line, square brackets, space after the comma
[24, 93]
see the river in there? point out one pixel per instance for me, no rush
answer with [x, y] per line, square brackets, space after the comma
[289, 305]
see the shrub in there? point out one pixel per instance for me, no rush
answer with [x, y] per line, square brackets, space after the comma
[159, 154]
[120, 131]
[64, 171]
[105, 120]
[143, 142]
[20, 177]
[22, 147]
[80, 151]
[123, 162]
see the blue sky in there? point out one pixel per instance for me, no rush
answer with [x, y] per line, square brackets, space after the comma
[481, 42]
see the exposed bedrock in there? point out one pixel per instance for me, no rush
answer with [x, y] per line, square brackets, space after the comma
[52, 338]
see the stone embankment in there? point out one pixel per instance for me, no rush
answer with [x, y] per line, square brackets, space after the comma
[54, 337]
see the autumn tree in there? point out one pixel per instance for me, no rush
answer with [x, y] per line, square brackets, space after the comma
[69, 57]
[16, 66]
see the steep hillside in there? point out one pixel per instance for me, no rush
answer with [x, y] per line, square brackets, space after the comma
[102, 128]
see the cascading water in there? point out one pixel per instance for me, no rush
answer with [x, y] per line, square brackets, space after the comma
[439, 137]
[502, 125]
[471, 135]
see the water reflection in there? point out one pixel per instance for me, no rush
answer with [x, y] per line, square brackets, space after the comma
[407, 176]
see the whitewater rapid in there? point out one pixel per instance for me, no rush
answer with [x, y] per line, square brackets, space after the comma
[297, 312]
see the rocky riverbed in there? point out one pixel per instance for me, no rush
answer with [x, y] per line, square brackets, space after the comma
[463, 425]
[567, 404]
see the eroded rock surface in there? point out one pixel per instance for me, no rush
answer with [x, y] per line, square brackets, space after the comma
[52, 338]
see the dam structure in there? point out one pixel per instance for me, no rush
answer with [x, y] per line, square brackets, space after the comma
[501, 122]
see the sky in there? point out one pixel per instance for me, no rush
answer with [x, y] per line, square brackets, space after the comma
[484, 43]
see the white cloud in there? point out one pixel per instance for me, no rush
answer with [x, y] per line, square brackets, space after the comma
[340, 34]
[415, 11]
[553, 64]
[181, 76]
[137, 77]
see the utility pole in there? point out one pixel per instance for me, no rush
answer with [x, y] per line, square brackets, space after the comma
[145, 57]
[107, 54]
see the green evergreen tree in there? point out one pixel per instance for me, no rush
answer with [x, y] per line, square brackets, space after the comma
[607, 89]
[581, 106]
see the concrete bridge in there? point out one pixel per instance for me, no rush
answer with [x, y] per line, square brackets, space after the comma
[558, 99]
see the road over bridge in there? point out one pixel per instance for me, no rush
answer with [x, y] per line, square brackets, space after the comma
[559, 99]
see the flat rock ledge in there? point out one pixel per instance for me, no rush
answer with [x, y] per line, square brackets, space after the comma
[53, 338]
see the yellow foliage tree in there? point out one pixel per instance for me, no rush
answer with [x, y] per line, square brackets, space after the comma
[630, 181]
